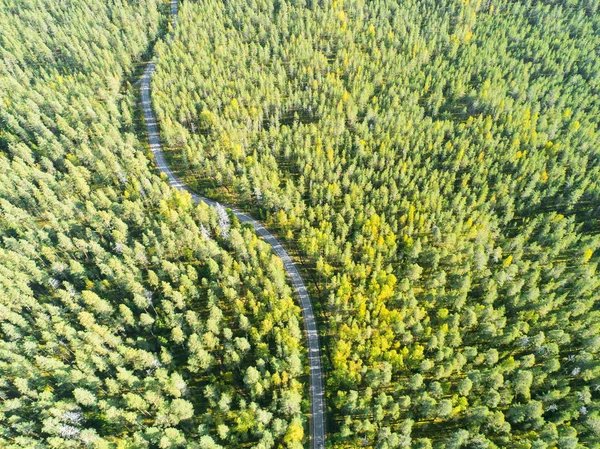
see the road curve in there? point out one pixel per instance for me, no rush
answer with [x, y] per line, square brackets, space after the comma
[317, 393]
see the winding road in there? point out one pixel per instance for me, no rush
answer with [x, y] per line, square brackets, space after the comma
[317, 393]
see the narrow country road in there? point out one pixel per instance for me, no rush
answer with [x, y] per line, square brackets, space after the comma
[317, 394]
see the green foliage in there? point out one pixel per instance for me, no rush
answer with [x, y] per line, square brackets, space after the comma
[127, 317]
[438, 163]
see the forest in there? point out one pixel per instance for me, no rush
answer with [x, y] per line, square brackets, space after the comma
[436, 163]
[130, 317]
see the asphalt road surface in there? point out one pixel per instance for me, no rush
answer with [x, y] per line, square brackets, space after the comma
[314, 355]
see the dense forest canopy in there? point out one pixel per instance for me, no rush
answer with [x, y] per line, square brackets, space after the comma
[129, 316]
[438, 162]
